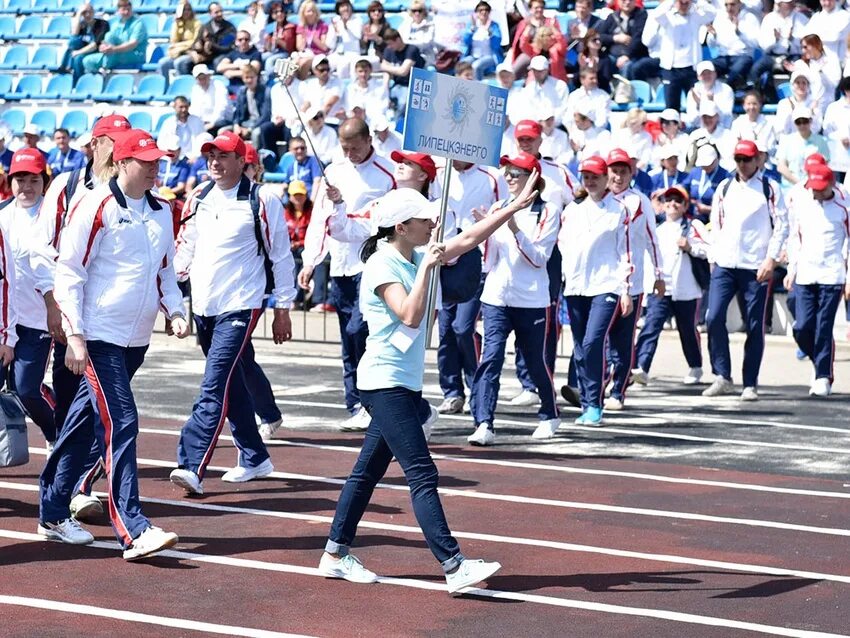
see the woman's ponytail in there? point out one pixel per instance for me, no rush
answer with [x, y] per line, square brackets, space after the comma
[371, 245]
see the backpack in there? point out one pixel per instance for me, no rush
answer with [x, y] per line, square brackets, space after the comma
[765, 188]
[71, 186]
[699, 267]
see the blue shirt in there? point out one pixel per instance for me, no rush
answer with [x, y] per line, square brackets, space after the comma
[701, 186]
[199, 170]
[71, 161]
[661, 181]
[642, 182]
[171, 174]
[384, 365]
[306, 171]
[6, 160]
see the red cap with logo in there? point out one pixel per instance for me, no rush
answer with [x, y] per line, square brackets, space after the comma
[252, 157]
[619, 156]
[226, 142]
[746, 148]
[137, 144]
[595, 165]
[111, 126]
[820, 177]
[28, 160]
[528, 128]
[422, 160]
[523, 160]
[815, 159]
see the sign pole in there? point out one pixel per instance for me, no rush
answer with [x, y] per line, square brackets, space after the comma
[435, 274]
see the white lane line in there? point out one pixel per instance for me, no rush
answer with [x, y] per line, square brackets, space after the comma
[131, 616]
[492, 538]
[660, 614]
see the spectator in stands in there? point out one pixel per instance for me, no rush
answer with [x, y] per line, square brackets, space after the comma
[711, 130]
[184, 126]
[822, 67]
[801, 94]
[384, 139]
[544, 90]
[586, 139]
[397, 60]
[482, 42]
[311, 35]
[198, 171]
[279, 38]
[709, 89]
[832, 24]
[417, 28]
[373, 37]
[679, 24]
[779, 39]
[523, 47]
[583, 21]
[795, 147]
[297, 212]
[254, 23]
[125, 45]
[597, 103]
[5, 153]
[464, 70]
[672, 134]
[344, 39]
[591, 57]
[370, 94]
[31, 138]
[209, 99]
[231, 64]
[321, 91]
[173, 171]
[87, 34]
[284, 114]
[753, 125]
[554, 142]
[324, 138]
[633, 136]
[253, 107]
[215, 39]
[63, 158]
[451, 17]
[666, 176]
[621, 34]
[735, 35]
[298, 165]
[184, 32]
[704, 179]
[836, 122]
[649, 67]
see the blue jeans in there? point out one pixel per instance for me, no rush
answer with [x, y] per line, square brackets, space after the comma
[460, 345]
[658, 311]
[353, 332]
[395, 430]
[734, 67]
[643, 69]
[621, 348]
[591, 319]
[816, 305]
[676, 82]
[481, 66]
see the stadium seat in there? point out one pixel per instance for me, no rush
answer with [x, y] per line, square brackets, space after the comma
[45, 121]
[77, 122]
[59, 27]
[165, 29]
[150, 88]
[15, 119]
[58, 86]
[141, 119]
[25, 89]
[45, 6]
[8, 27]
[157, 54]
[160, 122]
[394, 20]
[182, 85]
[783, 90]
[89, 85]
[642, 91]
[151, 22]
[18, 6]
[5, 84]
[119, 87]
[31, 27]
[45, 58]
[15, 57]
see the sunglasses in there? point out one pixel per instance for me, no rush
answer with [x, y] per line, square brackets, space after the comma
[516, 173]
[323, 69]
[417, 11]
[744, 160]
[675, 198]
[318, 116]
[802, 121]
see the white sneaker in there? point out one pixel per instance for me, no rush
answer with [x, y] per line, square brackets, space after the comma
[525, 398]
[613, 405]
[267, 430]
[429, 423]
[693, 377]
[546, 429]
[640, 376]
[749, 394]
[188, 480]
[241, 474]
[357, 423]
[67, 531]
[85, 507]
[821, 388]
[470, 573]
[482, 436]
[719, 387]
[149, 542]
[451, 405]
[347, 567]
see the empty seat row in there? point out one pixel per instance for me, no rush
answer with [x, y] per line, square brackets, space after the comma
[44, 58]
[29, 7]
[59, 27]
[91, 86]
[76, 121]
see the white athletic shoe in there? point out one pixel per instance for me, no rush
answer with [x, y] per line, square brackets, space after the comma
[525, 398]
[67, 531]
[347, 567]
[267, 430]
[720, 387]
[451, 405]
[241, 474]
[749, 394]
[613, 405]
[357, 423]
[85, 507]
[693, 377]
[820, 388]
[469, 573]
[482, 436]
[149, 542]
[428, 426]
[640, 376]
[188, 480]
[546, 429]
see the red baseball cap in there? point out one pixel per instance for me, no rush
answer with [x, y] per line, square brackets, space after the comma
[746, 148]
[28, 160]
[111, 126]
[528, 128]
[619, 156]
[820, 177]
[815, 159]
[422, 160]
[679, 190]
[523, 160]
[226, 142]
[252, 157]
[137, 144]
[595, 165]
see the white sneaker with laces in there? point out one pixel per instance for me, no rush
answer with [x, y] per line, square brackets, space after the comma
[525, 398]
[482, 436]
[67, 531]
[469, 573]
[188, 480]
[693, 377]
[267, 430]
[546, 429]
[821, 388]
[720, 387]
[85, 507]
[149, 542]
[451, 405]
[241, 474]
[347, 567]
[749, 394]
[613, 405]
[640, 376]
[357, 423]
[428, 426]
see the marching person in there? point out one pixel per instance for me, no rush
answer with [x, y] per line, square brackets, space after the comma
[234, 246]
[394, 299]
[594, 243]
[680, 242]
[748, 229]
[817, 270]
[8, 315]
[516, 299]
[113, 275]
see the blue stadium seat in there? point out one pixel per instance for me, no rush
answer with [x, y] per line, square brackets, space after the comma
[642, 91]
[157, 54]
[59, 27]
[8, 27]
[15, 57]
[77, 122]
[45, 121]
[31, 27]
[45, 58]
[45, 6]
[89, 85]
[25, 89]
[165, 29]
[58, 86]
[141, 119]
[783, 90]
[15, 119]
[160, 122]
[182, 85]
[150, 88]
[5, 84]
[394, 20]
[151, 22]
[119, 87]
[18, 6]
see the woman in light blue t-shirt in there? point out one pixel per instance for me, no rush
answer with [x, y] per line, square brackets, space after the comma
[393, 296]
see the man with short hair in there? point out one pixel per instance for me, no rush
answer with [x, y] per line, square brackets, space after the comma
[32, 136]
[544, 90]
[215, 39]
[299, 165]
[184, 125]
[233, 63]
[621, 33]
[209, 100]
[397, 60]
[735, 34]
[125, 44]
[795, 147]
[63, 158]
[322, 91]
[253, 107]
[371, 94]
[590, 99]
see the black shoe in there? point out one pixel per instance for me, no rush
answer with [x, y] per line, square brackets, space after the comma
[571, 396]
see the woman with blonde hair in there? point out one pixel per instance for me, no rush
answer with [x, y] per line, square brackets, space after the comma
[310, 36]
[183, 34]
[523, 47]
[417, 28]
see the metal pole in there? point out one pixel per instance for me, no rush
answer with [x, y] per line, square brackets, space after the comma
[435, 274]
